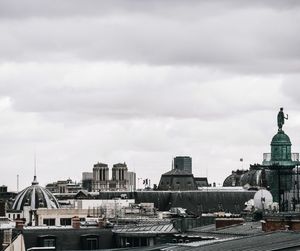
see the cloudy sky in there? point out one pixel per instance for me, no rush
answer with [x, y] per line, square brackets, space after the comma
[141, 81]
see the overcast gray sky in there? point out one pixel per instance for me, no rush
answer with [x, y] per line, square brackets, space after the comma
[141, 81]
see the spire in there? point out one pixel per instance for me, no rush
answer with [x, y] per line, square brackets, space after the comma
[34, 182]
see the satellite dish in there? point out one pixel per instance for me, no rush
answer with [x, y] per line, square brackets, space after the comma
[262, 199]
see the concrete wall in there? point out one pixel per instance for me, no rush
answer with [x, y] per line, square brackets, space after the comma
[17, 245]
[108, 207]
[59, 213]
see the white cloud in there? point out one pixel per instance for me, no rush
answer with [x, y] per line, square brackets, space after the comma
[246, 38]
[143, 81]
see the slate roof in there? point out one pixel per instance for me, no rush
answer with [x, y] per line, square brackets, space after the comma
[245, 229]
[266, 241]
[285, 240]
[165, 228]
[178, 172]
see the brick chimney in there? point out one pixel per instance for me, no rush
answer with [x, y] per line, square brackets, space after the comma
[76, 222]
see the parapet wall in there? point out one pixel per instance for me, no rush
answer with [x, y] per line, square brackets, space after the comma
[195, 202]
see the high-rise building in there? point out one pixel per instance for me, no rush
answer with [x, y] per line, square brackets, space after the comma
[180, 177]
[183, 163]
[131, 177]
[87, 181]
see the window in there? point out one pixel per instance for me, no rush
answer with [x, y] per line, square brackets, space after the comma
[89, 242]
[92, 243]
[284, 155]
[49, 243]
[49, 222]
[65, 221]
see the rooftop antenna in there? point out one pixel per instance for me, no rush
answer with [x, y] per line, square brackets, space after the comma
[34, 182]
[242, 161]
[17, 183]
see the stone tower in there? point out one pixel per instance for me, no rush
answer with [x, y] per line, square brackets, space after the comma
[119, 177]
[100, 177]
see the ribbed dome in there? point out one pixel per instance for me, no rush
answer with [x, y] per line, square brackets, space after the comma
[230, 181]
[35, 196]
[234, 179]
[281, 139]
[252, 178]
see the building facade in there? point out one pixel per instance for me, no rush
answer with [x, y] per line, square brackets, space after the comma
[121, 179]
[87, 181]
[131, 177]
[100, 177]
[183, 163]
[64, 186]
[278, 173]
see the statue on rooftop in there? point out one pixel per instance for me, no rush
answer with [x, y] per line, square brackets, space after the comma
[281, 118]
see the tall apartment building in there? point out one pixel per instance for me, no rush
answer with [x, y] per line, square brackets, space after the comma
[87, 181]
[131, 177]
[183, 163]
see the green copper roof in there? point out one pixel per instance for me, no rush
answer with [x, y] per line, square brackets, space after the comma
[281, 147]
[281, 139]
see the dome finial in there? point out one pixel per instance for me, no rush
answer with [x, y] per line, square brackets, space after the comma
[34, 182]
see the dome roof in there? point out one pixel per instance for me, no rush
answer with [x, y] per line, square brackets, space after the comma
[234, 179]
[281, 139]
[35, 196]
[251, 178]
[230, 181]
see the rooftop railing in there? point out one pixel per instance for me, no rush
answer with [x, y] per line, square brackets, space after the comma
[294, 156]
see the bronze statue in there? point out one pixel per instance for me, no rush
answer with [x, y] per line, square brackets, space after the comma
[281, 118]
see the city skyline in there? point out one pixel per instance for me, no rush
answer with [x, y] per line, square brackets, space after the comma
[142, 82]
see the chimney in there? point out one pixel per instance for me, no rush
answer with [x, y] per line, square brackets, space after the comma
[76, 222]
[2, 208]
[20, 223]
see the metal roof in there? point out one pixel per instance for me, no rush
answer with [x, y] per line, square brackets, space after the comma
[267, 241]
[146, 229]
[245, 229]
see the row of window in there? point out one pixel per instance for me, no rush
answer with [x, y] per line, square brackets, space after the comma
[88, 242]
[14, 216]
[63, 221]
[177, 182]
